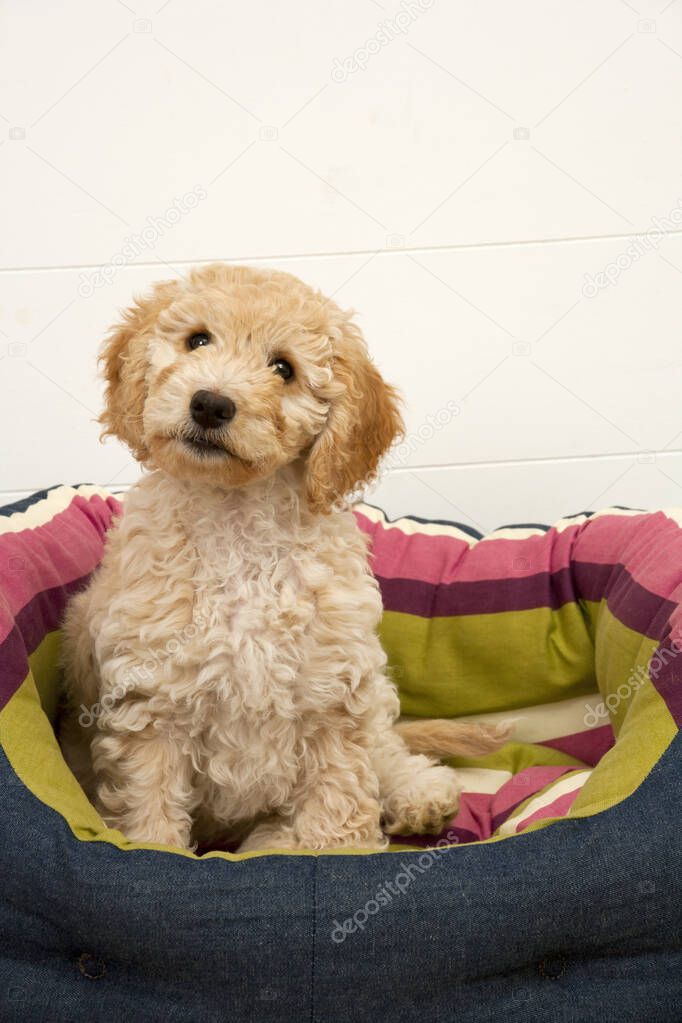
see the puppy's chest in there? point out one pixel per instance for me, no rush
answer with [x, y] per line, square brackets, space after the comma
[254, 607]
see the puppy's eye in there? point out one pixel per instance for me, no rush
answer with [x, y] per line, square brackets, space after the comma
[198, 340]
[283, 368]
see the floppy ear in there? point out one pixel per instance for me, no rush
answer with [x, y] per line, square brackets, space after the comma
[124, 358]
[363, 421]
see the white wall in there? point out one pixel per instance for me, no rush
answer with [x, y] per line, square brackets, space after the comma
[455, 192]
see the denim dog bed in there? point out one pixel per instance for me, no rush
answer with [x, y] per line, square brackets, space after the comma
[554, 894]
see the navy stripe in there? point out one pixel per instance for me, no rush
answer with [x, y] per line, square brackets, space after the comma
[24, 503]
[525, 525]
[469, 530]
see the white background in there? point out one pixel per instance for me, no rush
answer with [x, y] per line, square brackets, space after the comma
[456, 191]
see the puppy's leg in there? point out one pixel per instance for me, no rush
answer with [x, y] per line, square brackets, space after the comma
[336, 805]
[144, 786]
[418, 795]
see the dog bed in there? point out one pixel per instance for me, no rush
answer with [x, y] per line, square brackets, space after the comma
[554, 894]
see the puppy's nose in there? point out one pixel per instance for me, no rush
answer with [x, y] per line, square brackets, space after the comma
[211, 410]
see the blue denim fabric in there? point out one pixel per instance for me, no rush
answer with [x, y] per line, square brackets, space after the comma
[581, 921]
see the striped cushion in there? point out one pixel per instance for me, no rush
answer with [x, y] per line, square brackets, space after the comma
[569, 630]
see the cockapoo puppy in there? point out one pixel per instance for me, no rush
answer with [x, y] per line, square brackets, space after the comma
[228, 638]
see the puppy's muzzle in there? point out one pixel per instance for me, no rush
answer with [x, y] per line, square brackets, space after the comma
[211, 410]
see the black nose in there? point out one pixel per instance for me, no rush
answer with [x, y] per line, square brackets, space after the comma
[211, 410]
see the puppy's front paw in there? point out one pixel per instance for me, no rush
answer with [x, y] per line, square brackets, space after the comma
[265, 837]
[424, 804]
[151, 830]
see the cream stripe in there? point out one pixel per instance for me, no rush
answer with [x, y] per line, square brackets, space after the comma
[513, 533]
[552, 720]
[674, 513]
[409, 527]
[577, 520]
[41, 512]
[547, 720]
[482, 779]
[559, 788]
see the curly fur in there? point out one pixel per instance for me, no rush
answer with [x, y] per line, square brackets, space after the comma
[228, 638]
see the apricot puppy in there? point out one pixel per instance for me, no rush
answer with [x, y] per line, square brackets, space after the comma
[228, 637]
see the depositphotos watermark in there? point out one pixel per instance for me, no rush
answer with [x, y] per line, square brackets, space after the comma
[639, 676]
[388, 30]
[424, 433]
[640, 245]
[392, 889]
[143, 671]
[137, 244]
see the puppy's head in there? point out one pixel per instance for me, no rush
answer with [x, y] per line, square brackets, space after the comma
[233, 373]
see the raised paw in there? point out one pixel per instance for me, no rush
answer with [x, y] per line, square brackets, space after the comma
[423, 804]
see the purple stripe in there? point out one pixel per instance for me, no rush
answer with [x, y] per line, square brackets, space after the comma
[453, 835]
[41, 615]
[588, 746]
[635, 606]
[665, 672]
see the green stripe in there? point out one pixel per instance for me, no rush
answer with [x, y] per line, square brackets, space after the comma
[517, 756]
[621, 658]
[46, 673]
[639, 716]
[477, 664]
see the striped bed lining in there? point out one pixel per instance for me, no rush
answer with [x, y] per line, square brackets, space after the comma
[47, 552]
[528, 622]
[548, 625]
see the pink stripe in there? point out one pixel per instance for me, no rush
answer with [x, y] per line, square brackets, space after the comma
[446, 559]
[474, 814]
[648, 545]
[559, 808]
[589, 746]
[636, 541]
[481, 813]
[522, 786]
[55, 553]
[398, 555]
[518, 559]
